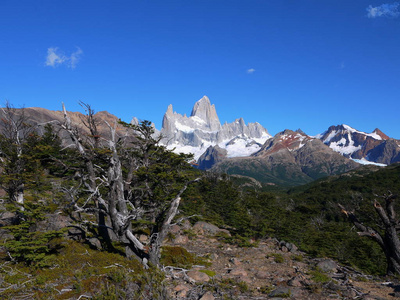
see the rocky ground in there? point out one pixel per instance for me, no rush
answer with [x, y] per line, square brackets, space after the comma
[270, 270]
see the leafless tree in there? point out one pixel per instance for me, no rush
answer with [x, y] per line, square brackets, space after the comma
[14, 130]
[121, 196]
[387, 234]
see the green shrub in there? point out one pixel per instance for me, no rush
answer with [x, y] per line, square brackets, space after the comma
[277, 257]
[177, 257]
[208, 272]
[319, 277]
[298, 257]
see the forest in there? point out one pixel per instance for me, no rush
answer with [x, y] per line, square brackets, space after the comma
[66, 191]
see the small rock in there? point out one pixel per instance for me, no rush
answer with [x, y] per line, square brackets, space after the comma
[181, 240]
[295, 281]
[294, 248]
[95, 243]
[262, 275]
[8, 218]
[235, 261]
[280, 291]
[181, 290]
[238, 272]
[207, 296]
[214, 256]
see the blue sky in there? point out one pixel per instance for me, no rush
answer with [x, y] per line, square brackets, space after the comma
[283, 63]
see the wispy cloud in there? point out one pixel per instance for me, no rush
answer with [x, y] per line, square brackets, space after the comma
[251, 71]
[384, 10]
[75, 57]
[56, 57]
[342, 65]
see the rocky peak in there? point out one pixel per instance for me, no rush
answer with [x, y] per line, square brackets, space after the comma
[170, 111]
[205, 111]
[380, 133]
[202, 129]
[286, 140]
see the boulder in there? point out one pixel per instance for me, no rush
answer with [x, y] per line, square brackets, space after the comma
[205, 228]
[327, 265]
[207, 296]
[198, 276]
[281, 291]
[181, 290]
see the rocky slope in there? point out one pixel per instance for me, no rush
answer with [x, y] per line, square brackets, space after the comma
[271, 269]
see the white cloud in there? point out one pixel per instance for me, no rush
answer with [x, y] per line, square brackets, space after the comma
[384, 10]
[251, 71]
[56, 57]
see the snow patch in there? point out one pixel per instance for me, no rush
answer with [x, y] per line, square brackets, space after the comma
[240, 148]
[197, 119]
[363, 161]
[344, 150]
[183, 128]
[352, 130]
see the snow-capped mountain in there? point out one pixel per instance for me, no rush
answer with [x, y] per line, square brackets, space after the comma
[203, 129]
[287, 139]
[375, 147]
[289, 158]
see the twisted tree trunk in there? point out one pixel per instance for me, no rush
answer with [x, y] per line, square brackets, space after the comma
[116, 205]
[389, 241]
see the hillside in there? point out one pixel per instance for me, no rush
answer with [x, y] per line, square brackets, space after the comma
[120, 200]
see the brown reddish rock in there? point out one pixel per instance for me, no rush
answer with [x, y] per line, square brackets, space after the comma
[181, 290]
[198, 276]
[207, 296]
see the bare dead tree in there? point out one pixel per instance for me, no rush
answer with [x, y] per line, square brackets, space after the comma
[387, 238]
[113, 188]
[14, 130]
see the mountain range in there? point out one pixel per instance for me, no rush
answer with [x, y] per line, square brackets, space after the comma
[288, 158]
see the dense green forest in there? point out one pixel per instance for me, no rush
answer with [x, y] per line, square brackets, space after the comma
[58, 198]
[308, 215]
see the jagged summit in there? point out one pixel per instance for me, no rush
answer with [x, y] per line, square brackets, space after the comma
[380, 133]
[205, 111]
[202, 129]
[363, 147]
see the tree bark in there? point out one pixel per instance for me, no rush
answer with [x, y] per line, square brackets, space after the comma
[389, 241]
